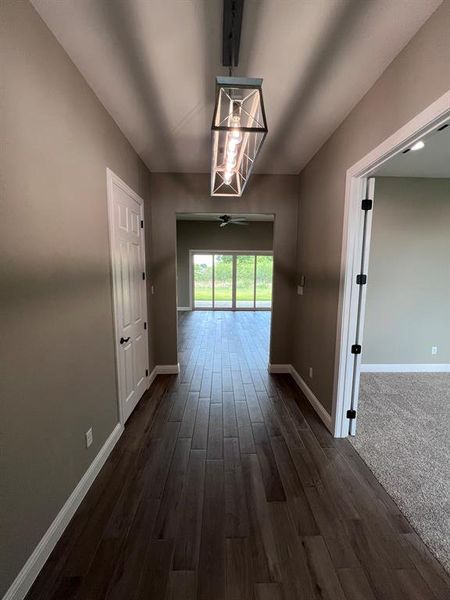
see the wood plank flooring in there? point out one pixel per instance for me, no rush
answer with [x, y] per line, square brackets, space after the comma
[226, 486]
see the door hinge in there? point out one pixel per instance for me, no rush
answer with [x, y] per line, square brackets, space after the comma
[145, 325]
[142, 224]
[361, 279]
[366, 204]
[356, 349]
[146, 372]
[351, 414]
[143, 275]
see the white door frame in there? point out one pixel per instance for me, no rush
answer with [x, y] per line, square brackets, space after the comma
[232, 253]
[426, 121]
[112, 178]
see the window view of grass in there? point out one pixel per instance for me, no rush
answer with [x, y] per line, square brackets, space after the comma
[245, 280]
[223, 277]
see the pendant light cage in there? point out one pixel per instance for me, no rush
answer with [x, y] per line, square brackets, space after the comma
[238, 130]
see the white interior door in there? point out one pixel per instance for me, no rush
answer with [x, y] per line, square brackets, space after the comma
[126, 219]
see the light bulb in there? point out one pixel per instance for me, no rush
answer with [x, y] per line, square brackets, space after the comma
[418, 145]
[231, 162]
[237, 136]
[227, 177]
[231, 154]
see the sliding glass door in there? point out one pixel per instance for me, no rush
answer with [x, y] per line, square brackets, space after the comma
[231, 280]
[245, 281]
[223, 281]
[263, 281]
[204, 281]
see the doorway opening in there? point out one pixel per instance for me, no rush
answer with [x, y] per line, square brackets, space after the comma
[355, 258]
[225, 269]
[394, 384]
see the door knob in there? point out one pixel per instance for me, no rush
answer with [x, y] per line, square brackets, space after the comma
[124, 340]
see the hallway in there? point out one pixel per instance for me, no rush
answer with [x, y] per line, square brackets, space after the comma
[225, 485]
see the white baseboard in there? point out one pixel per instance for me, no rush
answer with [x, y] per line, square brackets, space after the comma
[184, 308]
[152, 377]
[279, 368]
[320, 410]
[411, 368]
[167, 369]
[36, 561]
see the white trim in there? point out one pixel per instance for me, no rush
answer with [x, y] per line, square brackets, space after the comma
[184, 308]
[24, 580]
[151, 377]
[279, 368]
[317, 406]
[167, 369]
[113, 179]
[411, 368]
[429, 119]
[320, 410]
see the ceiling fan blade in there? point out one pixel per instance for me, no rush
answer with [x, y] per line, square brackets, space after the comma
[223, 224]
[239, 222]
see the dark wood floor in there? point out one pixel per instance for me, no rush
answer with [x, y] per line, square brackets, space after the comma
[225, 485]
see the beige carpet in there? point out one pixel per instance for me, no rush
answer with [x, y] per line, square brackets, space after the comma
[403, 434]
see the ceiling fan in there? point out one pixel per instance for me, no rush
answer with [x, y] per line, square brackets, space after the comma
[229, 220]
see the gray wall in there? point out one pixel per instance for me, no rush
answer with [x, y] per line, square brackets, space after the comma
[179, 193]
[408, 292]
[205, 235]
[57, 354]
[417, 77]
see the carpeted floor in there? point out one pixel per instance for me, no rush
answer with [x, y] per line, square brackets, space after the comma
[403, 434]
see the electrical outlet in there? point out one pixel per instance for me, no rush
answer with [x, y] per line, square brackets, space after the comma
[89, 437]
[300, 290]
[310, 372]
[433, 349]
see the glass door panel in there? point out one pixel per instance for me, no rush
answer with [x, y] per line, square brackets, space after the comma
[264, 271]
[245, 281]
[203, 280]
[223, 281]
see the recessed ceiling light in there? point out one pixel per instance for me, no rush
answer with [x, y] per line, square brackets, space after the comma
[418, 145]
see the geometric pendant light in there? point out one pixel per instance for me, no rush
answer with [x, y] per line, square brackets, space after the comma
[239, 128]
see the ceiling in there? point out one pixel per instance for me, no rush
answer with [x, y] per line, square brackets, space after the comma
[215, 216]
[152, 63]
[431, 161]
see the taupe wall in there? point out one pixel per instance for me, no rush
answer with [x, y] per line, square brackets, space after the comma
[269, 194]
[205, 235]
[57, 353]
[408, 308]
[417, 77]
